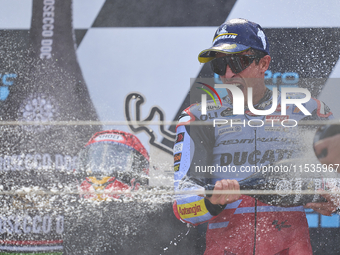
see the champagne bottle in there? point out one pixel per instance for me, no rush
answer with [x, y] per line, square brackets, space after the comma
[286, 185]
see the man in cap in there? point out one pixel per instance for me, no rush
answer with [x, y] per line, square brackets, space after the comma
[240, 224]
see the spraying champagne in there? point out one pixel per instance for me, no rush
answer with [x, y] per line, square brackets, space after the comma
[286, 186]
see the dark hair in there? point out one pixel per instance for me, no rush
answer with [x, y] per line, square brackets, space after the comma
[260, 54]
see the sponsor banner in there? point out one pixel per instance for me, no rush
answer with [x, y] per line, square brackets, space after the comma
[47, 87]
[25, 162]
[25, 225]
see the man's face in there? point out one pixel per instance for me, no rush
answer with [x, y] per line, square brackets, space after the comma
[252, 76]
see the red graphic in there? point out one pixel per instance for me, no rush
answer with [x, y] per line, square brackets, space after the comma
[180, 137]
[107, 187]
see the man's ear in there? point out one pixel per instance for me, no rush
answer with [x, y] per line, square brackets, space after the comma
[264, 63]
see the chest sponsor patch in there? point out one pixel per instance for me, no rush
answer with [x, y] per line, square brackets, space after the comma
[229, 130]
[276, 118]
[275, 129]
[236, 121]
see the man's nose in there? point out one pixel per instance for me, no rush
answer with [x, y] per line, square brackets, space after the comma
[228, 73]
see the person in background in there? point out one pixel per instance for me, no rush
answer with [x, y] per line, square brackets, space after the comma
[111, 217]
[327, 150]
[112, 161]
[332, 144]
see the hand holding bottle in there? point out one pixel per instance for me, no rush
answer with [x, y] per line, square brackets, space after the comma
[331, 147]
[327, 144]
[220, 198]
[283, 186]
[324, 208]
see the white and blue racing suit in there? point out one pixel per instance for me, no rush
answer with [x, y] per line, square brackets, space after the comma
[246, 226]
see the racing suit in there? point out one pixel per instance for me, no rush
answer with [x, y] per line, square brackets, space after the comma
[246, 226]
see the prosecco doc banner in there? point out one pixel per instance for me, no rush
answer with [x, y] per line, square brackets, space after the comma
[40, 154]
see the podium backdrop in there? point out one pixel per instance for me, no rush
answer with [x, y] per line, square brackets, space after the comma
[113, 61]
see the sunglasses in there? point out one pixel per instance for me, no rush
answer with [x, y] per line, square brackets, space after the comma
[237, 63]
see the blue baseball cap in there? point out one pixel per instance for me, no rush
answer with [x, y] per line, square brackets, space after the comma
[235, 36]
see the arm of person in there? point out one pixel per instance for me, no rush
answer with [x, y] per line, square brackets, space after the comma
[321, 111]
[332, 145]
[221, 196]
[326, 208]
[193, 150]
[196, 209]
